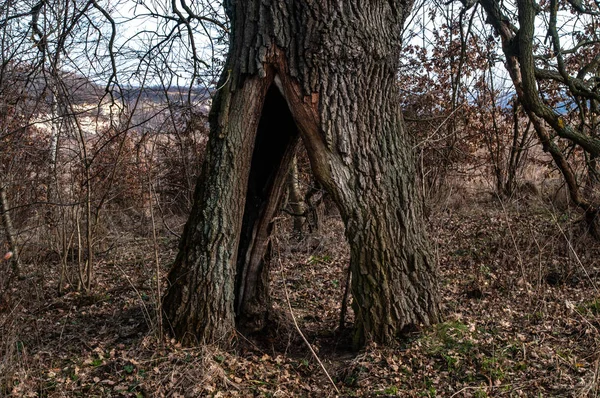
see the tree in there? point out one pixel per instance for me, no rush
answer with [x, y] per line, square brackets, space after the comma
[549, 75]
[325, 72]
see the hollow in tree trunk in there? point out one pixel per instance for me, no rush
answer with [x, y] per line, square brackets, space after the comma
[324, 72]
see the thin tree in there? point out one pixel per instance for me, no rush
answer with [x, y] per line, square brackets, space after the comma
[536, 70]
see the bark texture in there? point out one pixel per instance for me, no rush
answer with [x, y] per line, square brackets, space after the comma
[10, 235]
[199, 303]
[326, 71]
[294, 198]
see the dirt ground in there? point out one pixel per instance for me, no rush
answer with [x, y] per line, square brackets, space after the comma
[519, 285]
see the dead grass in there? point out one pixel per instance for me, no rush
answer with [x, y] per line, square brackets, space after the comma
[519, 282]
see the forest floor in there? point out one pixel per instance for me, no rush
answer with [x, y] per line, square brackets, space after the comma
[519, 286]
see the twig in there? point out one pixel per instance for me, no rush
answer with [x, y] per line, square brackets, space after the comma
[574, 252]
[428, 139]
[145, 312]
[465, 389]
[287, 298]
[345, 298]
[11, 312]
[155, 243]
[162, 217]
[512, 237]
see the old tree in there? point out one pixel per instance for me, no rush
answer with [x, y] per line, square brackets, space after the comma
[323, 72]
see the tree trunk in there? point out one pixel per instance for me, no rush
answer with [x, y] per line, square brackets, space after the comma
[294, 197]
[326, 72]
[9, 232]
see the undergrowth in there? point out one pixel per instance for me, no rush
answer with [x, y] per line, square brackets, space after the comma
[521, 317]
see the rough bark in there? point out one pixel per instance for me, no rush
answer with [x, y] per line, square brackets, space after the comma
[199, 303]
[333, 67]
[10, 235]
[294, 197]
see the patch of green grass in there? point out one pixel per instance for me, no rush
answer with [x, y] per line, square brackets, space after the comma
[452, 361]
[450, 343]
[219, 358]
[451, 336]
[324, 259]
[536, 317]
[492, 367]
[50, 385]
[485, 271]
[521, 366]
[590, 307]
[133, 386]
[457, 350]
[350, 381]
[480, 394]
[429, 391]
